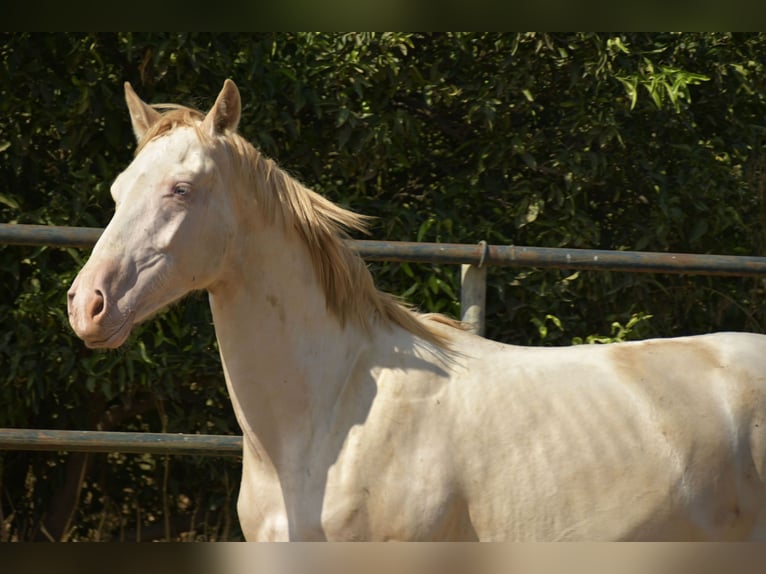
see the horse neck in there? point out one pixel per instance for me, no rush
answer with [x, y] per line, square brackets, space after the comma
[286, 358]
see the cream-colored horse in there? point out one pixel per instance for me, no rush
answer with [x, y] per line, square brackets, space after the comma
[364, 421]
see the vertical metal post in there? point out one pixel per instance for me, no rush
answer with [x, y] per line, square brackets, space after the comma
[473, 294]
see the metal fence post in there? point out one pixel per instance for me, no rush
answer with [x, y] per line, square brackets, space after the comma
[473, 293]
[473, 296]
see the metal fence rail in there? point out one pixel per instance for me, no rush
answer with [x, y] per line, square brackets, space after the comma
[474, 259]
[129, 442]
[454, 253]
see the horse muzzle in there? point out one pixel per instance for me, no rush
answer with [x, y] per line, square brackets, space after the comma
[94, 317]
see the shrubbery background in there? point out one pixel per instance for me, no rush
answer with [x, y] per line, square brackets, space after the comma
[630, 141]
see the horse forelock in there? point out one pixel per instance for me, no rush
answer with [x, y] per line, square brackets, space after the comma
[173, 116]
[348, 286]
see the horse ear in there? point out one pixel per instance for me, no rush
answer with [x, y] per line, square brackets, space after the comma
[142, 116]
[224, 115]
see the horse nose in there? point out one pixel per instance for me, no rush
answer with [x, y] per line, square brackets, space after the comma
[92, 307]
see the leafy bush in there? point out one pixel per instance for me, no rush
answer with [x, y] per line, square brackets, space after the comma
[630, 141]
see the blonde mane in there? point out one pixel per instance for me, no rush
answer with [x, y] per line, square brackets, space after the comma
[345, 279]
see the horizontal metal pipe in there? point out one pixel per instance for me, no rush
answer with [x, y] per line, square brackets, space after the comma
[129, 442]
[55, 236]
[457, 254]
[562, 258]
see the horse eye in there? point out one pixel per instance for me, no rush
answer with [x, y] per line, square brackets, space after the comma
[181, 189]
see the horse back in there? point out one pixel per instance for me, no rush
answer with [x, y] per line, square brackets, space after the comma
[565, 436]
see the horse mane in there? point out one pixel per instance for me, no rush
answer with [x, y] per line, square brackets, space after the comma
[347, 283]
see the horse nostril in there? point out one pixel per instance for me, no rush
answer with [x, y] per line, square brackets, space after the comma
[97, 304]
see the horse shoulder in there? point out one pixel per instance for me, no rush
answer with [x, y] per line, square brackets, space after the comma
[392, 478]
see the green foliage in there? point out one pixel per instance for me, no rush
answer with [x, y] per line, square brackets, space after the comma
[619, 332]
[610, 141]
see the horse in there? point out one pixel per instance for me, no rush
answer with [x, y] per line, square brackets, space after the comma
[365, 420]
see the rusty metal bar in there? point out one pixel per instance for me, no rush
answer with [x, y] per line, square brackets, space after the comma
[453, 253]
[129, 442]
